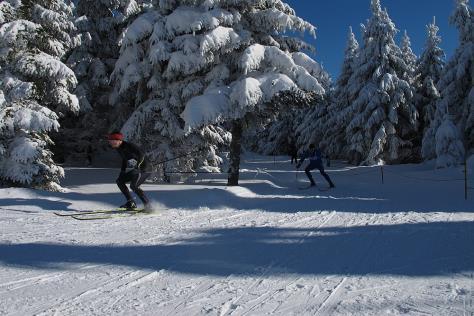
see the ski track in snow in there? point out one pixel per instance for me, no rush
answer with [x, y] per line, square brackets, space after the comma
[241, 306]
[334, 282]
[268, 295]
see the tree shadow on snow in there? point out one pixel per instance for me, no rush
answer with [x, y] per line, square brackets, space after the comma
[41, 203]
[249, 196]
[267, 198]
[278, 191]
[273, 186]
[422, 249]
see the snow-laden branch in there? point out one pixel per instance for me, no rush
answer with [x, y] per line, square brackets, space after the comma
[235, 100]
[44, 66]
[10, 33]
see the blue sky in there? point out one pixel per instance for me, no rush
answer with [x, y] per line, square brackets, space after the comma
[333, 18]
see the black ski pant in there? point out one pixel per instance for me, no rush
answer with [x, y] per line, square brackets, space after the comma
[320, 167]
[136, 178]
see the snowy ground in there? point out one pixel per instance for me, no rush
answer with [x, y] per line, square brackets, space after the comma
[365, 248]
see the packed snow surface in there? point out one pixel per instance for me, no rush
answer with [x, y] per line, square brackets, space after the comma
[404, 246]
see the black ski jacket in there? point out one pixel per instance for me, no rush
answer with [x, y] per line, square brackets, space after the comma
[130, 152]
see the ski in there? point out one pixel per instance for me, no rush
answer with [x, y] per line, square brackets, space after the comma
[89, 216]
[115, 210]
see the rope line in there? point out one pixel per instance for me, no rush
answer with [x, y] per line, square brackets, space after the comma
[265, 171]
[192, 172]
[259, 170]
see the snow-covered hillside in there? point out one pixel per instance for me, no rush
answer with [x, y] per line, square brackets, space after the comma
[265, 248]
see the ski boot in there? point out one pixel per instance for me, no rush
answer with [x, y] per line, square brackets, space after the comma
[130, 205]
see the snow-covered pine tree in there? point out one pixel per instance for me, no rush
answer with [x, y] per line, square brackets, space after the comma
[277, 135]
[310, 122]
[258, 63]
[307, 109]
[430, 66]
[158, 69]
[456, 84]
[449, 147]
[101, 22]
[334, 140]
[409, 57]
[35, 88]
[94, 61]
[410, 76]
[383, 118]
[290, 108]
[207, 61]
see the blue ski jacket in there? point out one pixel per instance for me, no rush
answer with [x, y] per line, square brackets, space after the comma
[315, 156]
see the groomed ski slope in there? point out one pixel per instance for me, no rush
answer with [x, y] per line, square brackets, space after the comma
[264, 248]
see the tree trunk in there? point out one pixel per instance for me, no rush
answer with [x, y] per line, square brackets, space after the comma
[235, 146]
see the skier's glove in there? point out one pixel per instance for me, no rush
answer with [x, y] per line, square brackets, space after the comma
[132, 163]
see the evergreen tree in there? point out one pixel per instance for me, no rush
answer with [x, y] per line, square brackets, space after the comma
[278, 133]
[383, 119]
[429, 70]
[282, 130]
[409, 58]
[456, 84]
[410, 76]
[449, 147]
[338, 117]
[145, 74]
[310, 122]
[35, 88]
[94, 61]
[101, 23]
[195, 64]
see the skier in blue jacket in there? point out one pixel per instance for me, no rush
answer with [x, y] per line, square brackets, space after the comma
[315, 162]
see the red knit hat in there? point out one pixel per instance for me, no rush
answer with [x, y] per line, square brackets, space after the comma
[115, 136]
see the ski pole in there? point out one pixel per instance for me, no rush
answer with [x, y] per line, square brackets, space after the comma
[181, 156]
[465, 177]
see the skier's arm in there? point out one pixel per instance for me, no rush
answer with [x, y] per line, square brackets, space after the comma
[140, 154]
[124, 165]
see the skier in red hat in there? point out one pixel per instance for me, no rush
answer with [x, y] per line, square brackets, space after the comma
[132, 156]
